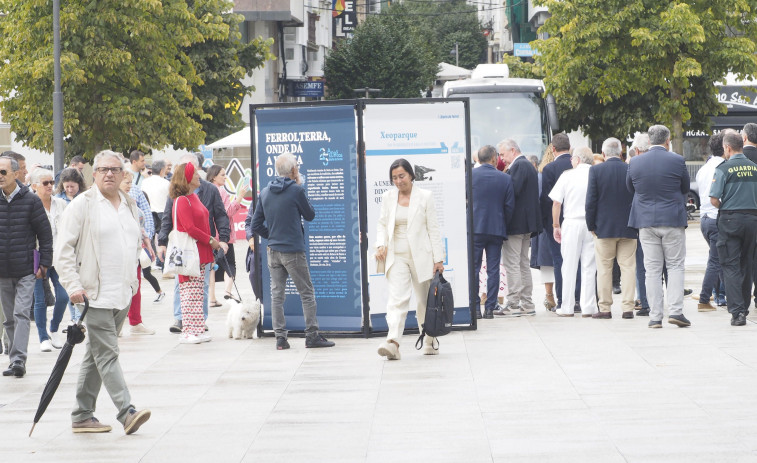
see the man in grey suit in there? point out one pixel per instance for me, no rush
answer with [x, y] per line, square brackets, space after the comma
[660, 181]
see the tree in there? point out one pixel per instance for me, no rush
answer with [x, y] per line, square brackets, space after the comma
[383, 53]
[617, 66]
[222, 64]
[135, 73]
[445, 23]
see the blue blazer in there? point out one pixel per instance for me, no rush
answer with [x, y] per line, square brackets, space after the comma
[608, 201]
[526, 216]
[660, 182]
[549, 176]
[493, 201]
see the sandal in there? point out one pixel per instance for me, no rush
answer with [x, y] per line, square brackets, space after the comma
[214, 304]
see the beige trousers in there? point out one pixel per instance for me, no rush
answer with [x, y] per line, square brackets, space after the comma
[623, 249]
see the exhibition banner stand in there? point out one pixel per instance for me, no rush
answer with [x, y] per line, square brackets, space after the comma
[344, 149]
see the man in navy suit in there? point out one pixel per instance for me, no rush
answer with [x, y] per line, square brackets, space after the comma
[493, 203]
[526, 222]
[660, 181]
[549, 176]
[608, 206]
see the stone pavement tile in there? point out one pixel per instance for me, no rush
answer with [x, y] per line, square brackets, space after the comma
[430, 442]
[320, 439]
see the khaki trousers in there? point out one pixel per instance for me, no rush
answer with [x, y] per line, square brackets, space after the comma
[623, 249]
[518, 271]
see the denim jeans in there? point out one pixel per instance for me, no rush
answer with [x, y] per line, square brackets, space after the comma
[177, 299]
[291, 264]
[713, 272]
[40, 308]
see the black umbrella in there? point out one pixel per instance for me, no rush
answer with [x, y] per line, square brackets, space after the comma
[224, 264]
[75, 335]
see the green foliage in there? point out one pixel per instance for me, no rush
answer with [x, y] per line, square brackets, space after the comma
[384, 54]
[617, 66]
[135, 73]
[523, 69]
[399, 50]
[444, 23]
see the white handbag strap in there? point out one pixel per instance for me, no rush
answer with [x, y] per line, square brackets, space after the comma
[175, 207]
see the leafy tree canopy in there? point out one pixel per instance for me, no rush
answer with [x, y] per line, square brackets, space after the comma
[617, 66]
[383, 53]
[135, 73]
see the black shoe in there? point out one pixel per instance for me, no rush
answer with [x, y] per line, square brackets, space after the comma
[478, 314]
[643, 312]
[628, 315]
[281, 343]
[577, 308]
[317, 340]
[655, 324]
[176, 327]
[488, 314]
[16, 369]
[616, 289]
[679, 320]
[686, 292]
[738, 319]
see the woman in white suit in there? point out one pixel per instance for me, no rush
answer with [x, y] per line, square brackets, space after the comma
[410, 244]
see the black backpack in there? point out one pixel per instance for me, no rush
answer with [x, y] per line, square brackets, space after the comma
[440, 310]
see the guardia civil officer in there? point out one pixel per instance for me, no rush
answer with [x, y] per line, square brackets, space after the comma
[734, 192]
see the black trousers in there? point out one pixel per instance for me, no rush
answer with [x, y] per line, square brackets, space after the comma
[737, 233]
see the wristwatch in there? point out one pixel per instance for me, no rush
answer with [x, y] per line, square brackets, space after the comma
[210, 241]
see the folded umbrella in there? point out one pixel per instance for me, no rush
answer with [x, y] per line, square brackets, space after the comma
[75, 335]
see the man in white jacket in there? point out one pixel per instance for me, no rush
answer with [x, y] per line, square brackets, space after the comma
[96, 254]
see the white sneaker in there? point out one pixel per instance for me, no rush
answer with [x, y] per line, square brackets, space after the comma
[190, 339]
[160, 297]
[141, 329]
[428, 349]
[45, 346]
[389, 350]
[205, 338]
[57, 339]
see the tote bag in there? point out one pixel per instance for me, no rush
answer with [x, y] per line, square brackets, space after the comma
[182, 257]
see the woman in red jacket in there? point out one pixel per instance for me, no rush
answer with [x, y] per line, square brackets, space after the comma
[192, 218]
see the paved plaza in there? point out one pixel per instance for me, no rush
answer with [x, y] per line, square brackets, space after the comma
[540, 388]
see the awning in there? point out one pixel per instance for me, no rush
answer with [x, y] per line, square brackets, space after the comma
[238, 139]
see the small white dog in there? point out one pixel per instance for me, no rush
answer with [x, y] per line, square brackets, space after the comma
[242, 319]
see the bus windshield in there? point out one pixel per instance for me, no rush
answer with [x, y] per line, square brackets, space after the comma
[497, 116]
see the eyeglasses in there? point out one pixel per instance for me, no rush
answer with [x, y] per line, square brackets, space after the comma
[105, 170]
[48, 182]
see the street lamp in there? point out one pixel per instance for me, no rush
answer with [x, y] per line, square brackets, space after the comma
[57, 94]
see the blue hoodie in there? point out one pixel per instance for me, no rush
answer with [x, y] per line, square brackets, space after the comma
[278, 216]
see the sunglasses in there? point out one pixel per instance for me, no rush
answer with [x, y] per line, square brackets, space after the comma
[48, 182]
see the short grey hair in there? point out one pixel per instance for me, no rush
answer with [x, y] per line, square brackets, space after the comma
[612, 147]
[750, 131]
[285, 162]
[641, 143]
[486, 153]
[189, 157]
[14, 164]
[39, 174]
[508, 143]
[585, 154]
[658, 134]
[104, 155]
[157, 166]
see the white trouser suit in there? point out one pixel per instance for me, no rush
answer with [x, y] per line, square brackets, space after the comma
[413, 243]
[398, 276]
[578, 244]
